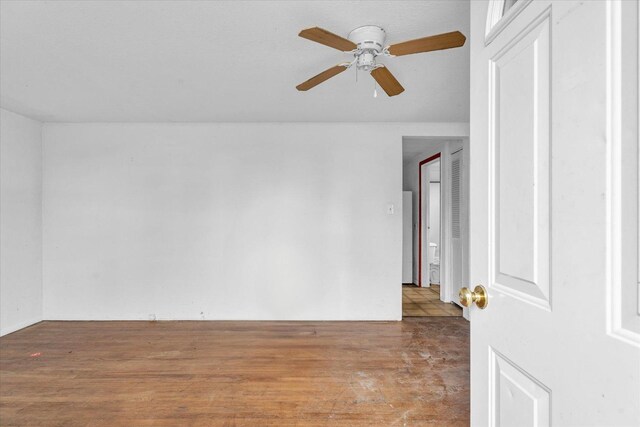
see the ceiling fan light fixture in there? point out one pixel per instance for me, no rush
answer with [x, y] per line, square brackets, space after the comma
[368, 42]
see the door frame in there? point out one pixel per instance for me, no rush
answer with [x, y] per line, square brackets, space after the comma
[420, 217]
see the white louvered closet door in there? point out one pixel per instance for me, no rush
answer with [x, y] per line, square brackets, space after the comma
[456, 224]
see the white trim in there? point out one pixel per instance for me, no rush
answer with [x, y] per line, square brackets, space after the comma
[496, 22]
[5, 330]
[614, 178]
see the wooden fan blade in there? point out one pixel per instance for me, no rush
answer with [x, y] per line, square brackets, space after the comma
[386, 81]
[327, 38]
[317, 79]
[428, 44]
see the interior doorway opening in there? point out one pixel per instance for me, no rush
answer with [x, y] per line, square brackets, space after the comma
[435, 218]
[429, 224]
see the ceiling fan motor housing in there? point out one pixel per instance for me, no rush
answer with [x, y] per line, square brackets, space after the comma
[370, 40]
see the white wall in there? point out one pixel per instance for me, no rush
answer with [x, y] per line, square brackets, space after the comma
[224, 221]
[20, 222]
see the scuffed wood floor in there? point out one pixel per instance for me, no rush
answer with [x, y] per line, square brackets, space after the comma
[409, 373]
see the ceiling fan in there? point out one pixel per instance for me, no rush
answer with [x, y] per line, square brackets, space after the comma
[366, 44]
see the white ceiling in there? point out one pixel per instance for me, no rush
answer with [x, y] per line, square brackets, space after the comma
[221, 61]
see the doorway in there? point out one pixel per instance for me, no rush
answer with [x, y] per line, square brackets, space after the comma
[428, 289]
[429, 214]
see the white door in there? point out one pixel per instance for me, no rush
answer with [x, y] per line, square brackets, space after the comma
[407, 237]
[554, 213]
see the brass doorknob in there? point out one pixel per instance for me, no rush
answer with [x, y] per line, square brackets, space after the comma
[478, 295]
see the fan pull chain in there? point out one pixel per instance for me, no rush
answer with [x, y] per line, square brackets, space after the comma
[375, 89]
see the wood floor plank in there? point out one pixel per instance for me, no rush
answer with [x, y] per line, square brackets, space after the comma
[414, 372]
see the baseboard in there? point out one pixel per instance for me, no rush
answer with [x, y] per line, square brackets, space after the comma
[13, 328]
[222, 319]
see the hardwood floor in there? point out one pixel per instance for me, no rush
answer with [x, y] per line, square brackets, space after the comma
[413, 373]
